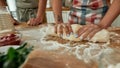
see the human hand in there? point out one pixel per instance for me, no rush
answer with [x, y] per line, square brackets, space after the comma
[15, 22]
[88, 31]
[63, 28]
[35, 21]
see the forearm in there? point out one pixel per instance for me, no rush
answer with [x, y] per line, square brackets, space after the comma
[57, 9]
[112, 13]
[41, 8]
[108, 2]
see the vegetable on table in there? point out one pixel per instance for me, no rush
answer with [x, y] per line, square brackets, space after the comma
[14, 57]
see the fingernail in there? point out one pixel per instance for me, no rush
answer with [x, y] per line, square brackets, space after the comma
[68, 35]
[75, 35]
[81, 38]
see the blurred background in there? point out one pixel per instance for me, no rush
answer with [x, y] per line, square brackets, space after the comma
[22, 10]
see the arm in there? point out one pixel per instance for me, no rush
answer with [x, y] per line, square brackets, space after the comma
[60, 26]
[2, 3]
[40, 14]
[88, 31]
[108, 2]
[112, 13]
[57, 9]
[41, 8]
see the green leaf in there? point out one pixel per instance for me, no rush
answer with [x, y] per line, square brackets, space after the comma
[11, 53]
[15, 57]
[22, 46]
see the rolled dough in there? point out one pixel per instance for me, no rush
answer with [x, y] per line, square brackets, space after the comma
[101, 36]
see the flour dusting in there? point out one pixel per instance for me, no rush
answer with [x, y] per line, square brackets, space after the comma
[86, 52]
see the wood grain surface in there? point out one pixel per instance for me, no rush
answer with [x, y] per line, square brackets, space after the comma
[49, 59]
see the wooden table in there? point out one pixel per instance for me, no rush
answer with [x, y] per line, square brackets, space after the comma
[40, 58]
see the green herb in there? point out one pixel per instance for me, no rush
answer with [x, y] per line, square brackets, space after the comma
[14, 57]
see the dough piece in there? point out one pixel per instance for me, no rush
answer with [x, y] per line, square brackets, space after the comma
[101, 36]
[75, 28]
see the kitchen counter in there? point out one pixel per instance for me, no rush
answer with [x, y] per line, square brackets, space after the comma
[54, 54]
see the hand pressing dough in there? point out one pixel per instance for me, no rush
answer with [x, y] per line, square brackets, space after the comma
[101, 36]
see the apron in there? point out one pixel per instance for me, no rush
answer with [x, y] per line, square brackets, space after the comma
[87, 11]
[26, 9]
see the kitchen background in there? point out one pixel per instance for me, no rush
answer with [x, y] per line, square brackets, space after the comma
[49, 13]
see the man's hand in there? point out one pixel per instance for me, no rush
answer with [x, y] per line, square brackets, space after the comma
[15, 22]
[35, 21]
[63, 28]
[88, 31]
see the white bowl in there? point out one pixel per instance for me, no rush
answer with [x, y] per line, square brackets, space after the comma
[5, 48]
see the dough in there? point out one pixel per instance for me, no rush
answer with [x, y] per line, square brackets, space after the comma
[101, 36]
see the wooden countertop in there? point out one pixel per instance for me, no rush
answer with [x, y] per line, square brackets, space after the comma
[63, 9]
[24, 26]
[53, 59]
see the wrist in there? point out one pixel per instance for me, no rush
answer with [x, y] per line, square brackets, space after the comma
[103, 26]
[40, 15]
[58, 18]
[58, 22]
[39, 18]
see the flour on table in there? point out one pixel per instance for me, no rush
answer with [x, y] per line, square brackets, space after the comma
[101, 36]
[82, 52]
[85, 52]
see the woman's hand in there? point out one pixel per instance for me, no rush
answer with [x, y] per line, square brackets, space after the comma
[63, 28]
[35, 21]
[88, 31]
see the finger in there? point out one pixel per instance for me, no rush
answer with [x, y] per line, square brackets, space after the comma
[66, 30]
[81, 31]
[86, 33]
[91, 34]
[55, 29]
[40, 21]
[70, 29]
[77, 33]
[31, 22]
[60, 30]
[37, 22]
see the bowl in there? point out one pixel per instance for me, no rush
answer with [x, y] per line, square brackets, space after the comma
[10, 38]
